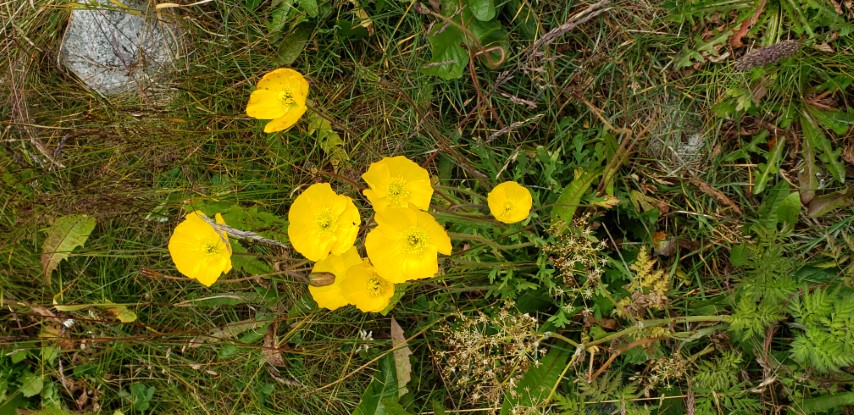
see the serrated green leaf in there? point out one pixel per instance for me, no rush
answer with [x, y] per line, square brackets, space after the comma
[402, 365]
[383, 387]
[823, 146]
[767, 213]
[67, 233]
[292, 45]
[567, 203]
[770, 167]
[330, 142]
[31, 384]
[141, 396]
[837, 121]
[538, 382]
[482, 10]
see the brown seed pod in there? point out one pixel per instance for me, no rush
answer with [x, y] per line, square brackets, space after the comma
[321, 279]
[767, 56]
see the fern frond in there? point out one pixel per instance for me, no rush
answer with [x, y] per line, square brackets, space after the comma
[827, 321]
[752, 319]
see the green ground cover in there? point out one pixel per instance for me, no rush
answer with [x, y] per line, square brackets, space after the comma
[689, 249]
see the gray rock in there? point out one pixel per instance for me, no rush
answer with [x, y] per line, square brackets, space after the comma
[116, 50]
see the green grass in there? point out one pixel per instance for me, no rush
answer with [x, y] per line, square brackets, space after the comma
[136, 163]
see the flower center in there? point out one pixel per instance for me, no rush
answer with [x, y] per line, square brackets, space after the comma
[375, 286]
[414, 241]
[397, 191]
[210, 249]
[325, 220]
[508, 207]
[286, 98]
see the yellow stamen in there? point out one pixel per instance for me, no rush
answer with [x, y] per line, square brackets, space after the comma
[414, 241]
[397, 191]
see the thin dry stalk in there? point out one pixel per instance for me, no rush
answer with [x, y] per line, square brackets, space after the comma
[579, 18]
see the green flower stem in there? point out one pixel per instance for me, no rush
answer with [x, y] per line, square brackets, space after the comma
[462, 217]
[447, 189]
[478, 238]
[468, 264]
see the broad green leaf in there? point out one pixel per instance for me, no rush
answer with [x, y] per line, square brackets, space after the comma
[538, 382]
[807, 178]
[122, 313]
[292, 45]
[52, 410]
[449, 57]
[491, 36]
[825, 204]
[438, 408]
[31, 384]
[823, 147]
[788, 210]
[450, 45]
[243, 260]
[482, 10]
[394, 408]
[738, 255]
[825, 403]
[67, 233]
[309, 7]
[567, 203]
[382, 387]
[281, 12]
[770, 167]
[19, 356]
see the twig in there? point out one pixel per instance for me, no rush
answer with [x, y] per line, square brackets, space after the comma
[241, 234]
[512, 127]
[579, 18]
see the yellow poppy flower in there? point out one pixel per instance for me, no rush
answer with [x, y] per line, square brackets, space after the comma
[280, 97]
[509, 202]
[398, 181]
[405, 244]
[365, 289]
[322, 221]
[332, 296]
[200, 251]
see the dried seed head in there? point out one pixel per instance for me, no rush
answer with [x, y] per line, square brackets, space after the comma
[767, 56]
